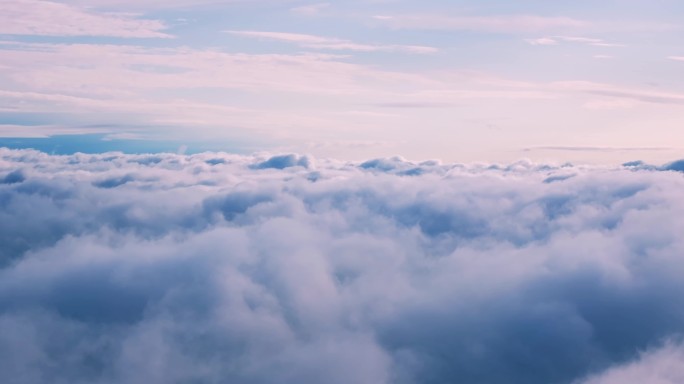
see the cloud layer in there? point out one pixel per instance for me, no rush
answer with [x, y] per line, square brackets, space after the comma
[217, 268]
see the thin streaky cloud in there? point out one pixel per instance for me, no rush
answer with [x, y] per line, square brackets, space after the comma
[299, 38]
[607, 90]
[597, 149]
[608, 45]
[45, 18]
[579, 39]
[542, 41]
[321, 42]
[555, 40]
[414, 105]
[491, 24]
[153, 5]
[310, 10]
[43, 131]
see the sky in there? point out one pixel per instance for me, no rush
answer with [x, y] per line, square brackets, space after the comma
[360, 191]
[498, 81]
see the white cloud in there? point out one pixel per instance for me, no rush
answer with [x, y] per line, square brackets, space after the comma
[319, 42]
[223, 268]
[46, 18]
[676, 58]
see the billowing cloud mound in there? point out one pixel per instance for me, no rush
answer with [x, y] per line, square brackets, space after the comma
[215, 268]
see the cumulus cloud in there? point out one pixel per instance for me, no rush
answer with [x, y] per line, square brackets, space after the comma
[220, 268]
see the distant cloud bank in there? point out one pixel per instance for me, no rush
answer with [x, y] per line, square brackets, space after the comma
[217, 268]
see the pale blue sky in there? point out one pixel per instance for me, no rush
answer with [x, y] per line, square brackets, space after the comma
[459, 80]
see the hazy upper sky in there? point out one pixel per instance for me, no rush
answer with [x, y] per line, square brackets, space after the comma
[456, 80]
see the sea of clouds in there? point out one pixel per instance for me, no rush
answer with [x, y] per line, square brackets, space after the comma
[217, 268]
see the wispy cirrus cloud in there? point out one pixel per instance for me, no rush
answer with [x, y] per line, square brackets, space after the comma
[43, 131]
[320, 42]
[310, 10]
[597, 149]
[618, 92]
[542, 41]
[141, 86]
[47, 18]
[555, 40]
[493, 24]
[128, 5]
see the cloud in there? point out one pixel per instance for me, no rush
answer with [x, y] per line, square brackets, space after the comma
[42, 131]
[662, 365]
[310, 10]
[674, 166]
[404, 105]
[284, 161]
[492, 24]
[676, 58]
[542, 41]
[588, 40]
[555, 40]
[221, 268]
[319, 42]
[616, 92]
[598, 149]
[13, 177]
[146, 86]
[206, 89]
[46, 18]
[127, 5]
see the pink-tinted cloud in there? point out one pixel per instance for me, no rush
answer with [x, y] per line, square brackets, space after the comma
[320, 42]
[47, 18]
[496, 24]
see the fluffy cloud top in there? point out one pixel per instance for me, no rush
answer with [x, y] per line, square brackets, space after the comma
[216, 268]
